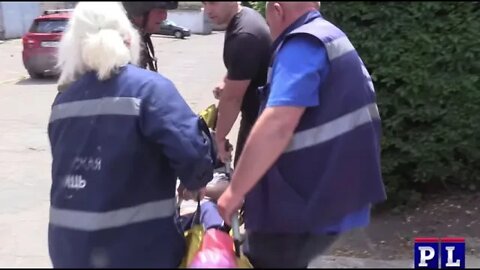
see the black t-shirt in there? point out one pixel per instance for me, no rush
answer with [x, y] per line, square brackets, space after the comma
[246, 55]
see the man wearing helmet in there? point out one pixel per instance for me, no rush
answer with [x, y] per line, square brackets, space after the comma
[147, 16]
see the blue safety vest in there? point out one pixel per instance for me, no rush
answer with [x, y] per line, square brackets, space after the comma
[331, 168]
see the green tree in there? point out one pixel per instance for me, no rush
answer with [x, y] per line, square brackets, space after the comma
[259, 6]
[247, 4]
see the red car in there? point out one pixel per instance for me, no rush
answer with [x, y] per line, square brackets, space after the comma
[41, 42]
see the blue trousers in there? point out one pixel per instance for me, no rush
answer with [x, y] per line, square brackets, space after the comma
[209, 217]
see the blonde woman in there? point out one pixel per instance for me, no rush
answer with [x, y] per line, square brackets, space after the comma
[120, 136]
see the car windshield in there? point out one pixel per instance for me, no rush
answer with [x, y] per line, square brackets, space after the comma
[170, 23]
[48, 26]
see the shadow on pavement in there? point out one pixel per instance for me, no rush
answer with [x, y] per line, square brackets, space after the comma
[186, 38]
[167, 37]
[42, 81]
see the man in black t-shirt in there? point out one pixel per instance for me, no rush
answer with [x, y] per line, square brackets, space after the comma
[246, 55]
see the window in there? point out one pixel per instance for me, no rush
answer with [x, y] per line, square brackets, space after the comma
[170, 23]
[48, 26]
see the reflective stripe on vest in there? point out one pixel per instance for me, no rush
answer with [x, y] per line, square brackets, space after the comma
[93, 221]
[93, 107]
[343, 124]
[338, 47]
[334, 128]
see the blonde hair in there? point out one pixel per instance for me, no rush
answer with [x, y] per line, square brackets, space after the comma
[100, 38]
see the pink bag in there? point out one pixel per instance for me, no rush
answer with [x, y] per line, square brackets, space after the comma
[216, 251]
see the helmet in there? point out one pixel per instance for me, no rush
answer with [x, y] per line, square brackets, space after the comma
[140, 8]
[137, 9]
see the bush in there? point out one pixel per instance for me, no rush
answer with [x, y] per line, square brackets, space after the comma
[424, 58]
[247, 4]
[259, 6]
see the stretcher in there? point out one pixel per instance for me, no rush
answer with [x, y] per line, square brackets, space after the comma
[213, 248]
[216, 247]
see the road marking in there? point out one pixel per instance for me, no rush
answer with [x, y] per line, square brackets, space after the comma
[12, 80]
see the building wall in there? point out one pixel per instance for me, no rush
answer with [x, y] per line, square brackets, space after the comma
[56, 5]
[2, 30]
[195, 20]
[17, 17]
[190, 5]
[199, 6]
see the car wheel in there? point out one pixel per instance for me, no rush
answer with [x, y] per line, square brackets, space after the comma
[178, 34]
[35, 75]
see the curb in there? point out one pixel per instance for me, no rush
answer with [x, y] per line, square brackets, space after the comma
[349, 262]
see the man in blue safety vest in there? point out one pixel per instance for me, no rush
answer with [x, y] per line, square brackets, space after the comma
[310, 169]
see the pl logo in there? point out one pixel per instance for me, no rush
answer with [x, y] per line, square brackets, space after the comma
[439, 253]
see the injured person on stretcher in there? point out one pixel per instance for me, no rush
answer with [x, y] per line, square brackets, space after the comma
[209, 215]
[187, 201]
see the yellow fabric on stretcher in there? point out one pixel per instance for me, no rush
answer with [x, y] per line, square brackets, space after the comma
[193, 238]
[209, 115]
[243, 262]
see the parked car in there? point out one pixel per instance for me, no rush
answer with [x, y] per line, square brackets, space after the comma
[169, 28]
[40, 44]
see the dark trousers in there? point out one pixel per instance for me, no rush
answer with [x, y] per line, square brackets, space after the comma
[209, 217]
[243, 132]
[285, 250]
